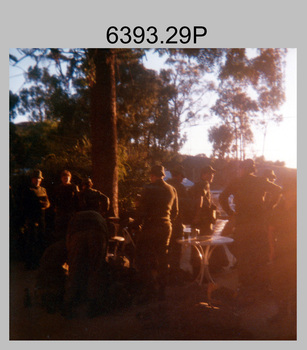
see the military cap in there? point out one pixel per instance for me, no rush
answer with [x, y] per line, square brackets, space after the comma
[208, 169]
[37, 174]
[157, 170]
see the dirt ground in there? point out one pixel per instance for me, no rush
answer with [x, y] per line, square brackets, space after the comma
[186, 314]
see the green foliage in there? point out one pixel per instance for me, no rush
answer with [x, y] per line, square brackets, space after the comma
[251, 89]
[236, 110]
[144, 116]
[188, 79]
[221, 137]
[76, 159]
[13, 104]
[135, 175]
[30, 142]
[17, 150]
[51, 97]
[151, 108]
[41, 145]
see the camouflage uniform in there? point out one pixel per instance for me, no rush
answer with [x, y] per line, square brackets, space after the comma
[251, 240]
[158, 208]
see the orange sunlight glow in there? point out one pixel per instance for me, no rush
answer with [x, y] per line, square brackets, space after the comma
[280, 143]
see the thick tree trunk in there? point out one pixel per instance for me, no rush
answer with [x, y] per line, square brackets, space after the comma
[104, 125]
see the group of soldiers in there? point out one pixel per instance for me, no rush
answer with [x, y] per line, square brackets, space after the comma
[67, 200]
[262, 221]
[164, 208]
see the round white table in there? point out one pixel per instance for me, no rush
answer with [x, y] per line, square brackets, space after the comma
[205, 246]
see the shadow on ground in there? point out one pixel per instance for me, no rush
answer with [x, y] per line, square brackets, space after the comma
[186, 314]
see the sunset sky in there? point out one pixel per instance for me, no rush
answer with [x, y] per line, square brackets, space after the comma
[281, 139]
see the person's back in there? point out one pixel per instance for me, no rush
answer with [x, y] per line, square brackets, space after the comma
[178, 224]
[249, 198]
[182, 197]
[249, 194]
[204, 210]
[92, 199]
[66, 198]
[157, 203]
[181, 190]
[251, 244]
[66, 204]
[34, 203]
[86, 242]
[158, 208]
[284, 264]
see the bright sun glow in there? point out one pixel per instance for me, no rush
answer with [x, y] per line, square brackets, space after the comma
[280, 143]
[281, 139]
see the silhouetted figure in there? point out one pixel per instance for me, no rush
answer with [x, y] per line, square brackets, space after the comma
[203, 207]
[284, 263]
[35, 202]
[177, 228]
[270, 175]
[86, 242]
[66, 204]
[92, 199]
[251, 240]
[157, 210]
[51, 277]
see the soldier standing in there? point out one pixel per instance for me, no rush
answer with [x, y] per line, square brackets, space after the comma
[270, 175]
[157, 210]
[177, 229]
[284, 266]
[204, 208]
[251, 237]
[66, 204]
[35, 202]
